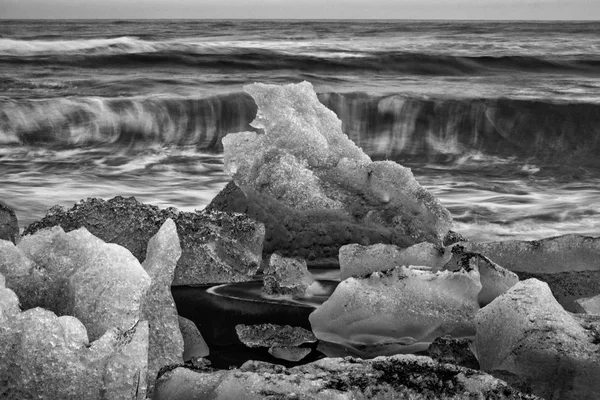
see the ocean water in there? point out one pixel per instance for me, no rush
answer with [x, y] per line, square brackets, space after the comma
[500, 120]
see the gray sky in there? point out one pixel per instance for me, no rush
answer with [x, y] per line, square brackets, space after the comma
[380, 9]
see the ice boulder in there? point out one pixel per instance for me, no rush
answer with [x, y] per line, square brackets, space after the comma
[589, 305]
[103, 285]
[356, 260]
[194, 345]
[569, 264]
[405, 307]
[301, 158]
[49, 357]
[526, 338]
[289, 353]
[165, 341]
[286, 276]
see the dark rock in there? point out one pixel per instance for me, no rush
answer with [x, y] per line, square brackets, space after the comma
[447, 349]
[395, 377]
[216, 247]
[9, 226]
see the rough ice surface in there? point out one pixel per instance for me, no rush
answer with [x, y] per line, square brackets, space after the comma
[495, 280]
[302, 158]
[567, 253]
[89, 287]
[589, 305]
[526, 338]
[49, 357]
[289, 353]
[9, 302]
[22, 275]
[286, 276]
[405, 306]
[103, 285]
[357, 260]
[165, 341]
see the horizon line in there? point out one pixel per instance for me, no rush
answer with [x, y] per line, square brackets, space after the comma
[300, 19]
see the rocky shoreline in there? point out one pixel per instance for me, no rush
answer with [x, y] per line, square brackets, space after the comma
[87, 311]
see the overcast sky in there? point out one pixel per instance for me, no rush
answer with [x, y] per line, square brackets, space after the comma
[314, 9]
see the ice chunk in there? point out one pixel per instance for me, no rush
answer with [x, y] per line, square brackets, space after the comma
[406, 306]
[194, 345]
[304, 160]
[526, 338]
[289, 353]
[589, 305]
[286, 276]
[48, 357]
[267, 335]
[567, 253]
[101, 284]
[356, 260]
[165, 342]
[495, 280]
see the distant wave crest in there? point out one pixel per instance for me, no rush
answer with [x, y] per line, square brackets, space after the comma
[130, 51]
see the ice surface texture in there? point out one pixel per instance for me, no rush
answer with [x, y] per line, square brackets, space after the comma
[526, 338]
[405, 306]
[302, 158]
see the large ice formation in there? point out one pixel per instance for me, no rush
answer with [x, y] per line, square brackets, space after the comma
[301, 158]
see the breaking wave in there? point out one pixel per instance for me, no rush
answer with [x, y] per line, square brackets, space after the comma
[395, 127]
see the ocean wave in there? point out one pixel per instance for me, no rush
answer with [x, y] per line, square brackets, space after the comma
[465, 133]
[276, 55]
[134, 123]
